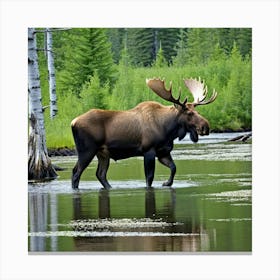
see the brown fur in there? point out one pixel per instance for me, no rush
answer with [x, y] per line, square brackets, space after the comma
[147, 130]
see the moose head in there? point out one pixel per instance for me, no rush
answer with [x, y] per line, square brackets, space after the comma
[188, 117]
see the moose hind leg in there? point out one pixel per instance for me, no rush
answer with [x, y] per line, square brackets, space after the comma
[84, 160]
[75, 176]
[102, 168]
[149, 166]
[168, 161]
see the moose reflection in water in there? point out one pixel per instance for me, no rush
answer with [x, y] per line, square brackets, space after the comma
[105, 230]
[158, 231]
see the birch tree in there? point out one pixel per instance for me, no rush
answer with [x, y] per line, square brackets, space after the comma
[51, 72]
[39, 164]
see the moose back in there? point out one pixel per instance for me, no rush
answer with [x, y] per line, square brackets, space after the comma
[147, 130]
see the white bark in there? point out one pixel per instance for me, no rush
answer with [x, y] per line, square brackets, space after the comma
[34, 89]
[39, 164]
[51, 71]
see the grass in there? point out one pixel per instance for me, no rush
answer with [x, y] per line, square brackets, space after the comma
[230, 77]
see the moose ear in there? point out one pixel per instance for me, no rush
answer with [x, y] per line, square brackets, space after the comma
[179, 107]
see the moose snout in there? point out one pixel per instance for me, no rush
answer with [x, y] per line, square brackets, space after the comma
[203, 130]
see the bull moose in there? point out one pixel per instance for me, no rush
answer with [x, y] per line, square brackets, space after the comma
[147, 130]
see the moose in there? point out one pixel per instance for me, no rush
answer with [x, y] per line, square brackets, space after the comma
[147, 130]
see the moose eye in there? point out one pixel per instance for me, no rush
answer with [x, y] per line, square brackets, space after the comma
[189, 113]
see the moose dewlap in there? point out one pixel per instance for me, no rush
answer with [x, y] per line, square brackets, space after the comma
[147, 130]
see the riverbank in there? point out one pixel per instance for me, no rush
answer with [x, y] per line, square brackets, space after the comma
[211, 138]
[64, 151]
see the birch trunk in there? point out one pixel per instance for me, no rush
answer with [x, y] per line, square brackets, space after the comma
[51, 71]
[39, 164]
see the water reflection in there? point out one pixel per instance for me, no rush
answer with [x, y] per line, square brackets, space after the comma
[150, 203]
[158, 231]
[104, 204]
[141, 220]
[104, 209]
[38, 220]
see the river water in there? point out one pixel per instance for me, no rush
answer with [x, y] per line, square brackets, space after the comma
[208, 208]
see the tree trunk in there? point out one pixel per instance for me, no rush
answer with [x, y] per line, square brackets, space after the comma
[51, 71]
[39, 164]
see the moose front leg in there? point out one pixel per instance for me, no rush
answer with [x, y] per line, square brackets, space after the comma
[168, 161]
[149, 166]
[102, 168]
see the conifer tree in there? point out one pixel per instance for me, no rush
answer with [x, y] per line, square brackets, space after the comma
[195, 46]
[169, 38]
[116, 36]
[244, 41]
[160, 60]
[143, 44]
[85, 50]
[181, 50]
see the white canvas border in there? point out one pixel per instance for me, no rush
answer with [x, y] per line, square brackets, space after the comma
[262, 16]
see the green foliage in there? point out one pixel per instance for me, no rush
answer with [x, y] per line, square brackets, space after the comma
[200, 45]
[58, 130]
[232, 78]
[167, 39]
[181, 57]
[87, 77]
[85, 50]
[117, 37]
[121, 97]
[93, 94]
[143, 43]
[160, 59]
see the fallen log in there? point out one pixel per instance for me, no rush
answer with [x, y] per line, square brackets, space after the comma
[242, 138]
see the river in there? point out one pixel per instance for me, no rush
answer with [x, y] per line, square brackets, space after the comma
[208, 208]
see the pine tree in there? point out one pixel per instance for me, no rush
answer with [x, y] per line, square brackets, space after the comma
[226, 38]
[122, 96]
[116, 36]
[244, 41]
[168, 38]
[202, 42]
[143, 44]
[181, 49]
[86, 50]
[160, 60]
[242, 37]
[195, 48]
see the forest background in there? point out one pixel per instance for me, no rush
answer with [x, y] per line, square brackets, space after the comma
[107, 67]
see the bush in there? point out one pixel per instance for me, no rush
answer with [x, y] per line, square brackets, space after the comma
[230, 76]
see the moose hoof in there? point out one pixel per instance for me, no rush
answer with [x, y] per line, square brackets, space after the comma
[167, 184]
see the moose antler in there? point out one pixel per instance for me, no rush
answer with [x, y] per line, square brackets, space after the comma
[199, 91]
[158, 86]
